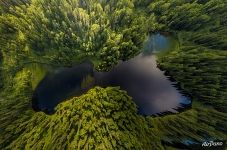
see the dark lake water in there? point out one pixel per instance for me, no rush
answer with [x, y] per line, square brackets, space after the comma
[150, 89]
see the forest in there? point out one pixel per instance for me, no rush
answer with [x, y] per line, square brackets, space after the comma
[67, 32]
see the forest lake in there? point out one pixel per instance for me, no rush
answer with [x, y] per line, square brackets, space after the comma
[152, 91]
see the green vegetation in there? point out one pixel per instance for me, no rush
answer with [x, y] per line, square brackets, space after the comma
[63, 32]
[87, 81]
[199, 65]
[101, 119]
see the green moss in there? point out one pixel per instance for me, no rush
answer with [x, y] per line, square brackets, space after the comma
[38, 72]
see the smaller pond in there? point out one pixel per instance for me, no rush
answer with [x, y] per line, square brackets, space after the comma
[150, 89]
[160, 42]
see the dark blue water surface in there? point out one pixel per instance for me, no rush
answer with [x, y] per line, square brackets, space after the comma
[150, 89]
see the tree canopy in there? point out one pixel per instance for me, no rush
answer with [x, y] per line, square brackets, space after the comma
[63, 32]
[101, 119]
[58, 31]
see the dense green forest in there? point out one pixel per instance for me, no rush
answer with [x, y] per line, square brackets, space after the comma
[67, 32]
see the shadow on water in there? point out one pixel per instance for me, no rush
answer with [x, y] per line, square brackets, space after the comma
[62, 84]
[150, 89]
